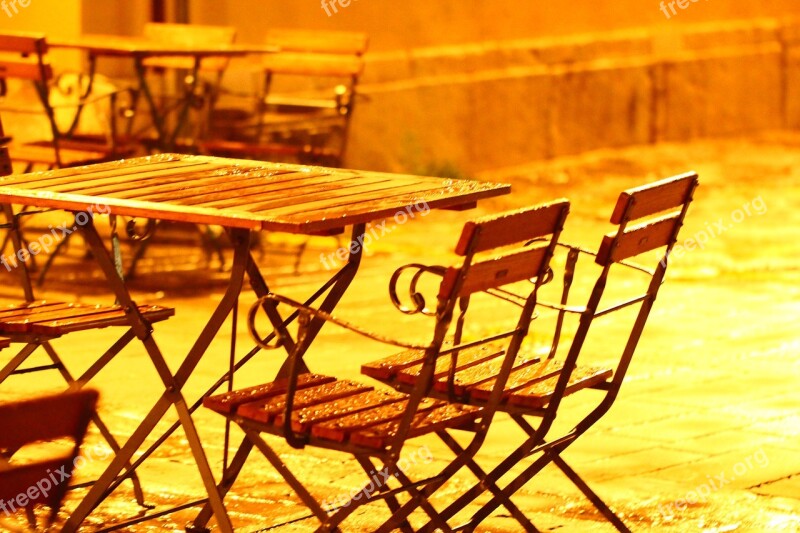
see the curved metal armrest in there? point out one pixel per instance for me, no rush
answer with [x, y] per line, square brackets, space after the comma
[312, 312]
[416, 297]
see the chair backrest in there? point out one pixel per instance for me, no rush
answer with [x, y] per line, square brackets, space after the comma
[23, 56]
[649, 219]
[42, 480]
[188, 34]
[316, 53]
[498, 250]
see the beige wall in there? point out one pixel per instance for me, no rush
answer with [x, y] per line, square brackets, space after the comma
[405, 24]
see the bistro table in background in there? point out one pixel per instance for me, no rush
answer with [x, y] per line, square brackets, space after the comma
[243, 197]
[141, 48]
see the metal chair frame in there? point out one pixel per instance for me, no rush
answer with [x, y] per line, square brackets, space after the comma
[632, 238]
[32, 340]
[32, 65]
[536, 230]
[287, 126]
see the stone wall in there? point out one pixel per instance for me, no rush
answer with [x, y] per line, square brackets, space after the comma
[503, 103]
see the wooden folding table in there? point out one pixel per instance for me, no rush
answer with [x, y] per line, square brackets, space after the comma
[243, 197]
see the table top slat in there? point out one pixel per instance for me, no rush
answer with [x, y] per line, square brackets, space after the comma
[203, 191]
[283, 191]
[344, 199]
[240, 193]
[81, 176]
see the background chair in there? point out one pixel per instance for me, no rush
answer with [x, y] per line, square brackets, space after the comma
[35, 323]
[649, 219]
[30, 422]
[23, 57]
[372, 424]
[303, 108]
[182, 82]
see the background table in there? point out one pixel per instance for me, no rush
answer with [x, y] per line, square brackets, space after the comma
[243, 197]
[141, 48]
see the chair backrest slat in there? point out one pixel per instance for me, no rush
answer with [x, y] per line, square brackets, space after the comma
[23, 43]
[24, 70]
[492, 273]
[313, 64]
[653, 198]
[640, 231]
[493, 232]
[638, 239]
[325, 42]
[528, 259]
[189, 33]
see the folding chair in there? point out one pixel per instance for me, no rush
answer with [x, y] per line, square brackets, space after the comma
[303, 110]
[373, 425]
[35, 323]
[24, 57]
[45, 479]
[199, 84]
[648, 219]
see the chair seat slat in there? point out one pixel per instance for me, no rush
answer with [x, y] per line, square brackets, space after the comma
[271, 410]
[228, 402]
[303, 419]
[539, 394]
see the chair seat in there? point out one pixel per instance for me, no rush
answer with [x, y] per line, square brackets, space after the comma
[338, 411]
[51, 318]
[530, 383]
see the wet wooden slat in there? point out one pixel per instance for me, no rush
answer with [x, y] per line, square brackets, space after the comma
[483, 374]
[71, 310]
[228, 402]
[348, 198]
[106, 318]
[368, 212]
[388, 367]
[340, 428]
[444, 416]
[20, 310]
[202, 194]
[654, 198]
[283, 197]
[466, 359]
[268, 411]
[538, 395]
[521, 377]
[134, 186]
[638, 240]
[303, 419]
[111, 169]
